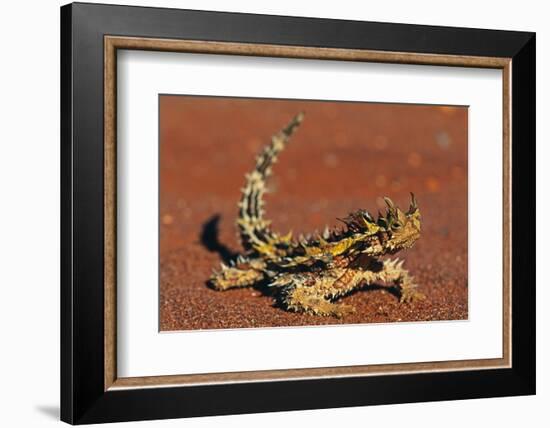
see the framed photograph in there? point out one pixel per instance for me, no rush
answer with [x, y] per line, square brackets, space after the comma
[265, 213]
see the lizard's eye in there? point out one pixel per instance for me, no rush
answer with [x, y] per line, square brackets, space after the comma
[396, 226]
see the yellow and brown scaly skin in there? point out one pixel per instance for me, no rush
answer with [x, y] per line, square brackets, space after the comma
[309, 274]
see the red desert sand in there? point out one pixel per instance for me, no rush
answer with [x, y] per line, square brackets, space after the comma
[344, 156]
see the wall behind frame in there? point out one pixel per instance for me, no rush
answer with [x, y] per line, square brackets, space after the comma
[29, 220]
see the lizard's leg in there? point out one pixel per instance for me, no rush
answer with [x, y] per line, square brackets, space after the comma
[310, 294]
[393, 273]
[244, 274]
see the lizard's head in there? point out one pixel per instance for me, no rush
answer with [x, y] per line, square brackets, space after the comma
[389, 233]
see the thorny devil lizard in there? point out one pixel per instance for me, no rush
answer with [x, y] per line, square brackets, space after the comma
[309, 274]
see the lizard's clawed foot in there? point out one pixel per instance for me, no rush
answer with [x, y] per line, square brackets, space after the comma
[409, 295]
[303, 300]
[233, 277]
[328, 309]
[341, 310]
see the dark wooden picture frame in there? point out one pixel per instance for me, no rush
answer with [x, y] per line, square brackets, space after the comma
[90, 389]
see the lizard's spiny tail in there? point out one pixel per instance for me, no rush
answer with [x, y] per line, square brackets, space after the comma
[254, 229]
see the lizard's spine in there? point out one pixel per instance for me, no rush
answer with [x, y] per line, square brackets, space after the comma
[254, 230]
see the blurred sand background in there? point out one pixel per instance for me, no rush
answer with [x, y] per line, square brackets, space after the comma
[344, 156]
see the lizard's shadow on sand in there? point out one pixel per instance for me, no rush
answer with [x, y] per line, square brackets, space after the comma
[210, 239]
